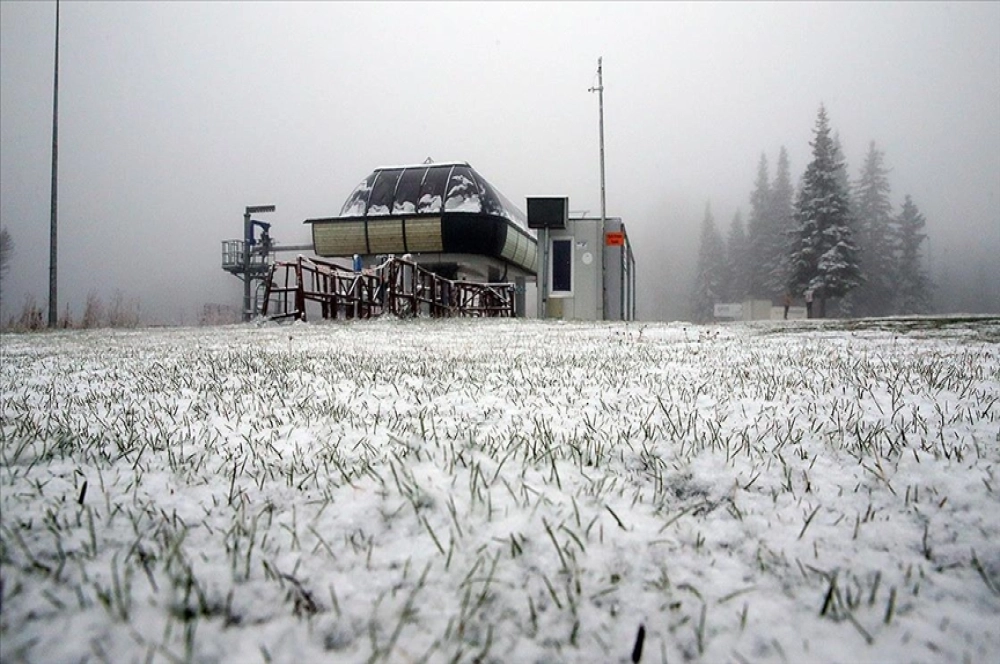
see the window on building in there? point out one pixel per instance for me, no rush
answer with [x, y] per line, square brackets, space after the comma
[562, 266]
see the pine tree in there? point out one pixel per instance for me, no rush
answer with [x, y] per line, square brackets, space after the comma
[737, 261]
[709, 273]
[758, 232]
[845, 304]
[873, 212]
[6, 252]
[782, 223]
[824, 257]
[842, 177]
[912, 286]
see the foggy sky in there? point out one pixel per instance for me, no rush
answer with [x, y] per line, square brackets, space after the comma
[175, 116]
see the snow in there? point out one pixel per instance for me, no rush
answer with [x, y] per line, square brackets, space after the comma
[429, 203]
[463, 204]
[462, 196]
[521, 491]
[356, 202]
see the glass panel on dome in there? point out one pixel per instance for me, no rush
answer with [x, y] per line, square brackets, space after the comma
[432, 189]
[358, 200]
[513, 212]
[408, 191]
[380, 202]
[463, 192]
[488, 199]
[496, 203]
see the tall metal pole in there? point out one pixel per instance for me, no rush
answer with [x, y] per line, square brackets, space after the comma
[604, 212]
[600, 98]
[53, 299]
[543, 239]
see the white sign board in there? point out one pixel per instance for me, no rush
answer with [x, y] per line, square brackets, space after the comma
[734, 310]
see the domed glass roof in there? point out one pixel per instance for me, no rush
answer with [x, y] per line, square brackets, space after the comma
[428, 189]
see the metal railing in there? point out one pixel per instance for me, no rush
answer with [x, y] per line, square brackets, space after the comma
[397, 286]
[233, 257]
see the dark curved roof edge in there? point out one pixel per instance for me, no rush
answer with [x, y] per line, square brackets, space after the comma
[426, 190]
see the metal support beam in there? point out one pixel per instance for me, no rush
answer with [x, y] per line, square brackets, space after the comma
[543, 274]
[247, 231]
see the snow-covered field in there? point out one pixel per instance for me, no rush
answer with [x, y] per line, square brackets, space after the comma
[508, 491]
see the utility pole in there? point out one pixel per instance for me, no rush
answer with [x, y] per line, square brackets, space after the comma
[53, 299]
[600, 96]
[604, 212]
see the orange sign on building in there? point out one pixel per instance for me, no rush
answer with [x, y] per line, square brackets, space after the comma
[614, 239]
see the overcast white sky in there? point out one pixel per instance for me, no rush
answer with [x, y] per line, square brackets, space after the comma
[174, 116]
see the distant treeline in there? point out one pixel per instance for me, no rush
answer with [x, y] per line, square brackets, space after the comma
[837, 239]
[119, 312]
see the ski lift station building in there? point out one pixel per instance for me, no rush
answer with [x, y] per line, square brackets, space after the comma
[450, 220]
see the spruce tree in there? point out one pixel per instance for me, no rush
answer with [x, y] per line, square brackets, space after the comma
[6, 252]
[737, 261]
[707, 289]
[759, 232]
[845, 304]
[823, 255]
[842, 177]
[873, 212]
[913, 287]
[782, 223]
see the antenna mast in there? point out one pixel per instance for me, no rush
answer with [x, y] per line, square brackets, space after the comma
[600, 96]
[604, 212]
